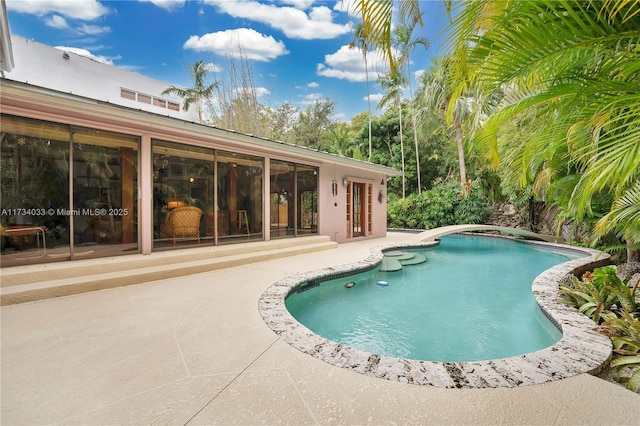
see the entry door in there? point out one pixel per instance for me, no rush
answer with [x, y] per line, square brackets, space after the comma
[358, 210]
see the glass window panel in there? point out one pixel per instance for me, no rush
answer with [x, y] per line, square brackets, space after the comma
[105, 182]
[34, 198]
[358, 209]
[183, 197]
[240, 199]
[282, 198]
[307, 190]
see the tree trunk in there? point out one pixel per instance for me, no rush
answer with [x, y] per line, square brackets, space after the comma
[366, 71]
[402, 151]
[463, 169]
[633, 255]
[415, 141]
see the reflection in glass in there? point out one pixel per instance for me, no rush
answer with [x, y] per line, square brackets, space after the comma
[183, 199]
[294, 199]
[282, 199]
[105, 191]
[34, 199]
[239, 197]
[307, 190]
[39, 221]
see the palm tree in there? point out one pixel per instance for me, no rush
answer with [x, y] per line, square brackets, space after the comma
[198, 92]
[393, 84]
[437, 93]
[362, 45]
[406, 43]
[377, 17]
[340, 141]
[574, 66]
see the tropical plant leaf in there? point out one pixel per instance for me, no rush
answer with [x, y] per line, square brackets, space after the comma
[634, 382]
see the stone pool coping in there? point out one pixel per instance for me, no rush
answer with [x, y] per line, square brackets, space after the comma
[580, 350]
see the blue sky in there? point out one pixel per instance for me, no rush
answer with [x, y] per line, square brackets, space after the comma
[298, 49]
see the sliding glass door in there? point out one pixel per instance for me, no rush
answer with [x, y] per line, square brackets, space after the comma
[67, 192]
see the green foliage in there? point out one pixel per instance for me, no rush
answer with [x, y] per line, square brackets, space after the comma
[444, 204]
[314, 123]
[627, 346]
[611, 302]
[568, 122]
[200, 90]
[595, 293]
[437, 156]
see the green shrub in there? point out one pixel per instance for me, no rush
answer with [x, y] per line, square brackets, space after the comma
[611, 302]
[444, 204]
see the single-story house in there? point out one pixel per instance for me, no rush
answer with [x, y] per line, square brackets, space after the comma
[97, 162]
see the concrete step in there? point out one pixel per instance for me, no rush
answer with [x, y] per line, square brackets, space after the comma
[37, 282]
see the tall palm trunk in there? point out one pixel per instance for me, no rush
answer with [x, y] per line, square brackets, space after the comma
[415, 130]
[459, 140]
[402, 149]
[366, 71]
[415, 137]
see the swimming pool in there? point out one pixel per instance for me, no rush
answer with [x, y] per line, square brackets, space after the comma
[483, 310]
[579, 350]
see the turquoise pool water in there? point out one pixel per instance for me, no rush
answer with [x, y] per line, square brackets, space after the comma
[471, 300]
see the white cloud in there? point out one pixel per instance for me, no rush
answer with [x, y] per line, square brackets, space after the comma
[93, 30]
[374, 97]
[169, 5]
[293, 22]
[313, 85]
[86, 10]
[262, 91]
[211, 67]
[299, 4]
[312, 98]
[56, 21]
[86, 53]
[417, 74]
[348, 64]
[241, 42]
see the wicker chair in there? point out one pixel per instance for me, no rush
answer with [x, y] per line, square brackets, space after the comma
[183, 223]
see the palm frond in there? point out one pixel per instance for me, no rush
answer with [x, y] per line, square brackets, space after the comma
[624, 216]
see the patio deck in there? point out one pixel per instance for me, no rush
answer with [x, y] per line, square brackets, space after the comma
[194, 350]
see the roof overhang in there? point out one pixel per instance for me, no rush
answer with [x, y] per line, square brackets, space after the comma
[24, 96]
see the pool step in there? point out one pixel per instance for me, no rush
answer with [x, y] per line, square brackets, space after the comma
[394, 253]
[395, 260]
[389, 264]
[415, 259]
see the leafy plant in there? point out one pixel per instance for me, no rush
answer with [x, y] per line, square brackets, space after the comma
[627, 346]
[611, 302]
[442, 205]
[599, 291]
[607, 277]
[589, 297]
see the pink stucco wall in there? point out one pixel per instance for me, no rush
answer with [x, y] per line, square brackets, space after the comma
[333, 216]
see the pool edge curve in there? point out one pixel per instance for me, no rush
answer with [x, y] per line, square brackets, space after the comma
[579, 350]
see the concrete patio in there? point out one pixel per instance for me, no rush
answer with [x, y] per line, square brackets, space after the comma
[194, 350]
